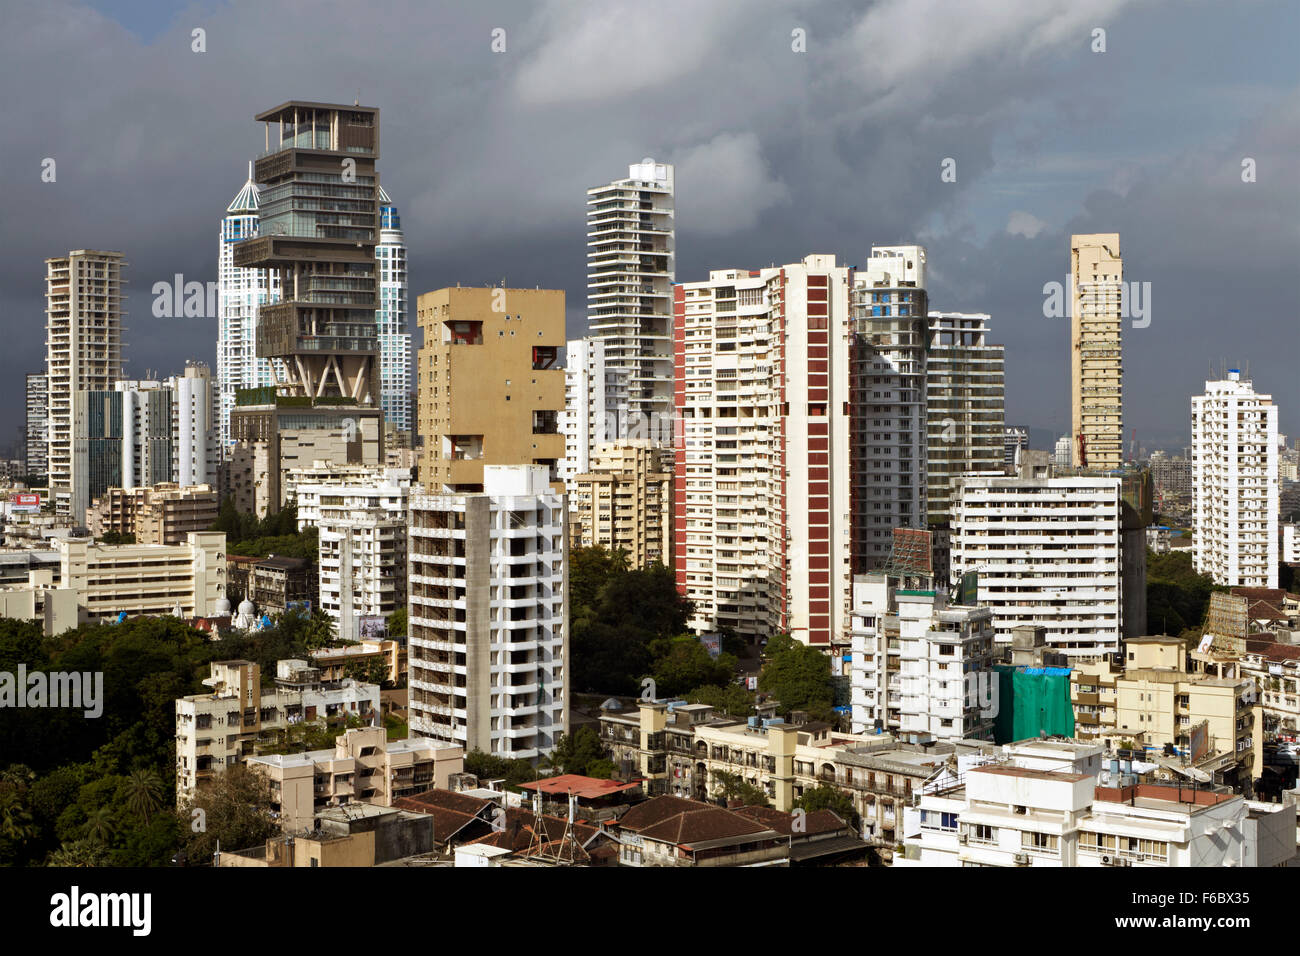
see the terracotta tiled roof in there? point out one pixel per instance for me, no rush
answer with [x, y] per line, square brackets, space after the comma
[656, 810]
[702, 825]
[819, 821]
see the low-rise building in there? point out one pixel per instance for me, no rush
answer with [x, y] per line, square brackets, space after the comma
[272, 584]
[364, 767]
[352, 835]
[188, 580]
[160, 514]
[223, 727]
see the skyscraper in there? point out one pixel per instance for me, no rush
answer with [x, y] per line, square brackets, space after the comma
[964, 384]
[1096, 361]
[239, 294]
[83, 336]
[1235, 484]
[585, 421]
[489, 615]
[761, 484]
[38, 400]
[631, 253]
[890, 334]
[394, 339]
[319, 225]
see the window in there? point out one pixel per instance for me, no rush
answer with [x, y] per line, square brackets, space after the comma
[936, 820]
[983, 833]
[1041, 842]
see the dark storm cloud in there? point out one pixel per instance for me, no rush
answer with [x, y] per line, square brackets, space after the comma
[778, 154]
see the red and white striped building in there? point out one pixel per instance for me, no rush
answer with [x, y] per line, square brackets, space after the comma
[762, 398]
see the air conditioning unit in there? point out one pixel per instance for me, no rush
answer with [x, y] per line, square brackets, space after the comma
[1107, 860]
[1021, 859]
[963, 837]
[1141, 857]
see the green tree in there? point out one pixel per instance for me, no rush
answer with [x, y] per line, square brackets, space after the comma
[731, 699]
[236, 811]
[683, 662]
[827, 796]
[576, 752]
[487, 766]
[731, 787]
[397, 625]
[144, 793]
[799, 677]
[80, 853]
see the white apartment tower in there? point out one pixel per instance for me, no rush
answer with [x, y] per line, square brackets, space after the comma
[630, 271]
[1047, 552]
[362, 546]
[1096, 357]
[591, 393]
[239, 293]
[83, 338]
[1235, 483]
[394, 338]
[761, 483]
[920, 665]
[965, 395]
[488, 614]
[890, 336]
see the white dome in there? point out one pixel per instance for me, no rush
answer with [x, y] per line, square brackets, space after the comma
[222, 607]
[246, 607]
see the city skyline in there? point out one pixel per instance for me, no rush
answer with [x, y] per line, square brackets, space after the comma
[502, 200]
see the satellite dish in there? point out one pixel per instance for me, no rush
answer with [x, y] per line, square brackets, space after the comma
[1195, 773]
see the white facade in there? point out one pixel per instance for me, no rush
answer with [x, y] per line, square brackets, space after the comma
[762, 472]
[965, 405]
[1235, 484]
[1291, 544]
[1061, 454]
[631, 263]
[1048, 553]
[592, 396]
[239, 293]
[488, 615]
[362, 547]
[890, 447]
[920, 665]
[83, 341]
[1008, 815]
[394, 339]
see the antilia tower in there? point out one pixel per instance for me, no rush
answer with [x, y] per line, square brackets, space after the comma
[319, 223]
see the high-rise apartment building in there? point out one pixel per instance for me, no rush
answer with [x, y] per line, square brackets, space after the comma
[489, 612]
[1235, 483]
[1096, 360]
[587, 419]
[965, 402]
[624, 501]
[761, 478]
[240, 292]
[1014, 441]
[362, 547]
[37, 423]
[141, 433]
[83, 338]
[631, 252]
[920, 665]
[319, 223]
[888, 405]
[490, 392]
[394, 338]
[1047, 552]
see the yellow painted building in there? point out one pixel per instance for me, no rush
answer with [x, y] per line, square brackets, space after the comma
[625, 501]
[490, 389]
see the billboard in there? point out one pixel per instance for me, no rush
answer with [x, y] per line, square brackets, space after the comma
[1199, 740]
[25, 501]
[372, 627]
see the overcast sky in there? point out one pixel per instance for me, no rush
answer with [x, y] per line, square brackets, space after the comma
[779, 154]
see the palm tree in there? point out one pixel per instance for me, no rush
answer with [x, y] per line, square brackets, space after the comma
[99, 825]
[16, 822]
[78, 853]
[144, 793]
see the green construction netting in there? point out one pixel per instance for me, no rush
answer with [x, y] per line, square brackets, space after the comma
[1032, 701]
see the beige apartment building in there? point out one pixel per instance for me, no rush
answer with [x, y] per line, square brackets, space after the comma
[220, 728]
[162, 514]
[1096, 362]
[364, 767]
[490, 392]
[111, 579]
[1162, 695]
[625, 501]
[83, 338]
